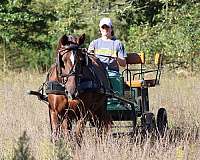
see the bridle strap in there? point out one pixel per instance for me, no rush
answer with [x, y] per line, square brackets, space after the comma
[72, 72]
[72, 47]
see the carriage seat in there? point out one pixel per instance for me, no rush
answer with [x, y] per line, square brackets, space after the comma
[139, 77]
[141, 83]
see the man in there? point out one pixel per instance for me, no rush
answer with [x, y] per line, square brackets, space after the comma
[108, 49]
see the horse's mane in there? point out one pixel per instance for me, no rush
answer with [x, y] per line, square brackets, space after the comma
[96, 67]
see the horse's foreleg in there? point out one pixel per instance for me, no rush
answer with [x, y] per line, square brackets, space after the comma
[54, 124]
[80, 125]
[104, 124]
[66, 127]
[107, 123]
[50, 120]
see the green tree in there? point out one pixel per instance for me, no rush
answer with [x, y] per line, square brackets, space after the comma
[30, 29]
[23, 31]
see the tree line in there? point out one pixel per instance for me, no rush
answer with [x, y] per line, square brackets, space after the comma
[30, 29]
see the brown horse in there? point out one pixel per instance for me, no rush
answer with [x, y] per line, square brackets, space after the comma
[76, 87]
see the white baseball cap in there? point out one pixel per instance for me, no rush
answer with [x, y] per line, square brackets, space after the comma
[105, 21]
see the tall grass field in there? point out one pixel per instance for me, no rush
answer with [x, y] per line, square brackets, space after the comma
[25, 129]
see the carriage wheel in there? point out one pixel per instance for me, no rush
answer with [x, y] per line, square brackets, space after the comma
[134, 117]
[162, 123]
[148, 123]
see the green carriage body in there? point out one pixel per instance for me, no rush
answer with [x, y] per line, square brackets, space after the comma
[123, 111]
[131, 91]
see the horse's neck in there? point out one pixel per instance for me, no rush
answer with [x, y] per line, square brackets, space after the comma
[92, 57]
[98, 65]
[53, 73]
[98, 71]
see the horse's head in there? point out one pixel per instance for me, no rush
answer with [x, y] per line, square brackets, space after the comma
[70, 52]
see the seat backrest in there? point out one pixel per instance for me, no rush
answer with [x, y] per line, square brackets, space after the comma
[135, 58]
[148, 73]
[158, 59]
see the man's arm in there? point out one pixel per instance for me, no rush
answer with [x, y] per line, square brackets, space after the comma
[121, 59]
[91, 48]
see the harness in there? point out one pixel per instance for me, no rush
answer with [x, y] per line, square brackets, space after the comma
[74, 48]
[82, 84]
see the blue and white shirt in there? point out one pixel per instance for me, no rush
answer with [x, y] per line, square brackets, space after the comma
[107, 51]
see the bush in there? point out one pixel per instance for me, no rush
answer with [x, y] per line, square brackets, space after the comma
[22, 152]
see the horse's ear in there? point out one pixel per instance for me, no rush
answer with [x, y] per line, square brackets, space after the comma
[64, 40]
[81, 39]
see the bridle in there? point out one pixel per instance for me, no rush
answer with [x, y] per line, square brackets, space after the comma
[74, 48]
[74, 71]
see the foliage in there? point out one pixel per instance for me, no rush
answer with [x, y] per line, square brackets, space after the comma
[62, 150]
[22, 152]
[24, 25]
[176, 36]
[30, 29]
[24, 33]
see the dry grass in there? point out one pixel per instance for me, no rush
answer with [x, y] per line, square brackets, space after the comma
[20, 112]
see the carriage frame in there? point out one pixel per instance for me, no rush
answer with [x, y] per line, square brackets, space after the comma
[129, 100]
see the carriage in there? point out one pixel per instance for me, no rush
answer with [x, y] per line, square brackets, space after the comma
[129, 99]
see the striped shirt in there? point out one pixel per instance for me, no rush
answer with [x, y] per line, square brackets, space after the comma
[107, 51]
